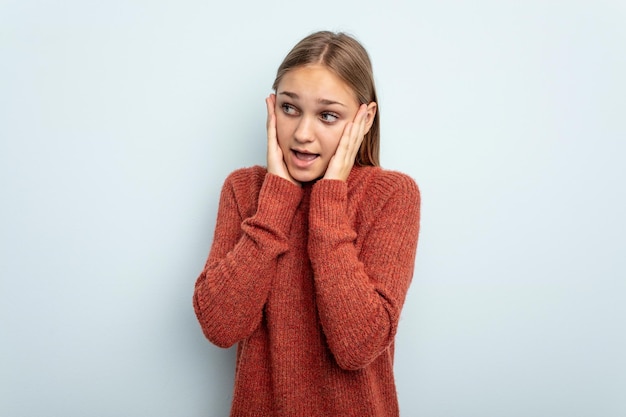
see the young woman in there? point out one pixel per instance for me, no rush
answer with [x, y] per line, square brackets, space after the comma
[313, 255]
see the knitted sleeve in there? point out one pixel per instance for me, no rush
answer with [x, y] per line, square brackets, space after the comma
[233, 287]
[360, 292]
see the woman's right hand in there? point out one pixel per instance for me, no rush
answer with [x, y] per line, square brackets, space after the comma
[275, 161]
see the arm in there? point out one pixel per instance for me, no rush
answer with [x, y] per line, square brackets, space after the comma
[360, 291]
[233, 287]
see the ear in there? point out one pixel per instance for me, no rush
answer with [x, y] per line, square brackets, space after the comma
[371, 113]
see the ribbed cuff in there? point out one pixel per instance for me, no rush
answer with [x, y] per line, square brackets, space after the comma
[278, 201]
[328, 203]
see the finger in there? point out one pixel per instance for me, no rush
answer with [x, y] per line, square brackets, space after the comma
[270, 110]
[346, 140]
[356, 132]
[362, 120]
[271, 118]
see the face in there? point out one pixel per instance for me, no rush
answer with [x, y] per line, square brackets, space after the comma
[313, 106]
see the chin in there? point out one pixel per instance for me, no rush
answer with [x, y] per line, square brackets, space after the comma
[304, 177]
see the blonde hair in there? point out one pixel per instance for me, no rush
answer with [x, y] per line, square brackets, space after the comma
[345, 57]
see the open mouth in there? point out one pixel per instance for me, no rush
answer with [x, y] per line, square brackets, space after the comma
[305, 156]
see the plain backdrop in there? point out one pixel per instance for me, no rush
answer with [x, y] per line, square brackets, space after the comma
[119, 121]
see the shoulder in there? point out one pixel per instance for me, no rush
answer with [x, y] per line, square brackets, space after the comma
[394, 181]
[242, 188]
[377, 195]
[246, 179]
[376, 183]
[253, 173]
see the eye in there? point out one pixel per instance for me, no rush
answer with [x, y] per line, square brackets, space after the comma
[329, 117]
[289, 109]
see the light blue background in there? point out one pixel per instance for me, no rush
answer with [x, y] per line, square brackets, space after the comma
[119, 121]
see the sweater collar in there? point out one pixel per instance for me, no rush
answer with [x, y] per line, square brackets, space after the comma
[356, 176]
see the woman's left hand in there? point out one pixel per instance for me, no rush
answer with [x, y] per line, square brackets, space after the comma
[341, 163]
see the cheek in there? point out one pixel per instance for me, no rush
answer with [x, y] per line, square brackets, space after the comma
[283, 130]
[333, 137]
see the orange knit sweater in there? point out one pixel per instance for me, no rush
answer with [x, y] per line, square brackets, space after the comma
[310, 281]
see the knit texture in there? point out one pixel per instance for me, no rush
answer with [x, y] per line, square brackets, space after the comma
[310, 282]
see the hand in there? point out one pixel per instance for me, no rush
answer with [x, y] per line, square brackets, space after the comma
[275, 161]
[342, 161]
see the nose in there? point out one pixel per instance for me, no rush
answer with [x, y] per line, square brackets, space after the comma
[304, 130]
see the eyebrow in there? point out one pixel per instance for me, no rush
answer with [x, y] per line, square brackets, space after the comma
[323, 101]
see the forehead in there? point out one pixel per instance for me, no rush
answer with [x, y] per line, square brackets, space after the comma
[315, 82]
